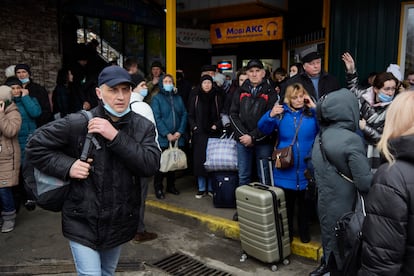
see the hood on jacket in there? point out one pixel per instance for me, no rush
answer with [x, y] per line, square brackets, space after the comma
[339, 108]
[161, 86]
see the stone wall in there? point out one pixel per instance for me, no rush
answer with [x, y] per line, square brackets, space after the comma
[29, 34]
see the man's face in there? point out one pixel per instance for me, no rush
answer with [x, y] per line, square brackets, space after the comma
[116, 97]
[255, 75]
[313, 68]
[156, 71]
[22, 74]
[133, 69]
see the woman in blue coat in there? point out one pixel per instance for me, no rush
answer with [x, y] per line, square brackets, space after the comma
[29, 109]
[171, 120]
[297, 112]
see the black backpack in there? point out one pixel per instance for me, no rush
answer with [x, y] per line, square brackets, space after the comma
[49, 192]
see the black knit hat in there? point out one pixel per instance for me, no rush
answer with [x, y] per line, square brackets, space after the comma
[22, 66]
[13, 81]
[156, 64]
[206, 77]
[137, 79]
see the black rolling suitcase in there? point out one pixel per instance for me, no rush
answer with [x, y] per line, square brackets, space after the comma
[224, 187]
[264, 230]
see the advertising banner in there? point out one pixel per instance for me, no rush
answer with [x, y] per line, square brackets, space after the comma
[261, 29]
[193, 38]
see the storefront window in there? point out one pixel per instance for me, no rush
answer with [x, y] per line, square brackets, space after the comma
[406, 53]
[134, 42]
[155, 44]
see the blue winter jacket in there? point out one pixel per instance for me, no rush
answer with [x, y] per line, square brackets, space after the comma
[170, 116]
[29, 109]
[286, 124]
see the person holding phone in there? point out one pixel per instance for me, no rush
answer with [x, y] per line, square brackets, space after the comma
[295, 121]
[10, 122]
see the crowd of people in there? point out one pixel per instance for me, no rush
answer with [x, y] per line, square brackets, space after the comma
[355, 132]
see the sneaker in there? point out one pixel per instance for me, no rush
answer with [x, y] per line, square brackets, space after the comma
[144, 236]
[8, 226]
[200, 194]
[210, 194]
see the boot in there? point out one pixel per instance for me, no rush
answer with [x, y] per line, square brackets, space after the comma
[158, 187]
[8, 221]
[171, 184]
[321, 270]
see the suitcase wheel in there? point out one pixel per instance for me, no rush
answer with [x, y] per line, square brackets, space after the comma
[243, 257]
[273, 268]
[286, 261]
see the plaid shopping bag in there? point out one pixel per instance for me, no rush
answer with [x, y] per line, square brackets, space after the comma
[221, 154]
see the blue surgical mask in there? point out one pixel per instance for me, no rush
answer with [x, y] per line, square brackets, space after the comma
[113, 112]
[25, 80]
[385, 98]
[143, 92]
[168, 87]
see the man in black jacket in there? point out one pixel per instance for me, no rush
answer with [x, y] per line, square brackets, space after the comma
[315, 81]
[101, 210]
[249, 103]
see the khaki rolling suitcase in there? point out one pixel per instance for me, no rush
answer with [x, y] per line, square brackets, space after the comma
[264, 231]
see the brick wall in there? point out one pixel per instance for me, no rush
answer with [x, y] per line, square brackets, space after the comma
[29, 34]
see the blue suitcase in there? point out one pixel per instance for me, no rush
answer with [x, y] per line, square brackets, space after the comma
[224, 187]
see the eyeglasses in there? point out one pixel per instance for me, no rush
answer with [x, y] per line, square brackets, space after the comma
[389, 88]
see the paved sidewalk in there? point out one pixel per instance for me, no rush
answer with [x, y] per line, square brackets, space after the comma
[219, 220]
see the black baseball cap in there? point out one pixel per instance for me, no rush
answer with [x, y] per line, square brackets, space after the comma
[254, 63]
[114, 75]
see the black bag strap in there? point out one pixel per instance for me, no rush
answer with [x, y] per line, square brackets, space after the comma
[89, 138]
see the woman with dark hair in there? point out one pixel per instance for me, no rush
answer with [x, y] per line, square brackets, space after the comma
[296, 124]
[373, 103]
[295, 68]
[204, 121]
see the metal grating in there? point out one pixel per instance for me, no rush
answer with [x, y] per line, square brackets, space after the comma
[179, 264]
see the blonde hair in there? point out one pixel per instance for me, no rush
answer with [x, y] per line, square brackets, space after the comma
[292, 91]
[399, 121]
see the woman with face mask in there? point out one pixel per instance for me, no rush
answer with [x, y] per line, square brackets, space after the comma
[171, 118]
[374, 102]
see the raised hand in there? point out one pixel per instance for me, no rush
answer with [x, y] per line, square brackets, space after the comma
[349, 63]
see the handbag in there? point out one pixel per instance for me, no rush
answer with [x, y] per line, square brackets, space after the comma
[348, 232]
[173, 159]
[221, 154]
[283, 157]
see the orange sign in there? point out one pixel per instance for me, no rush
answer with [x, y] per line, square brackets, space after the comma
[247, 31]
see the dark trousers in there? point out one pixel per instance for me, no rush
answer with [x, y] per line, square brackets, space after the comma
[293, 196]
[159, 177]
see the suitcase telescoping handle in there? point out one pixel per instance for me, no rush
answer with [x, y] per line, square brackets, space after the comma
[269, 171]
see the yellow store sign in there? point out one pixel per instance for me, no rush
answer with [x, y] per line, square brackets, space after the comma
[247, 31]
